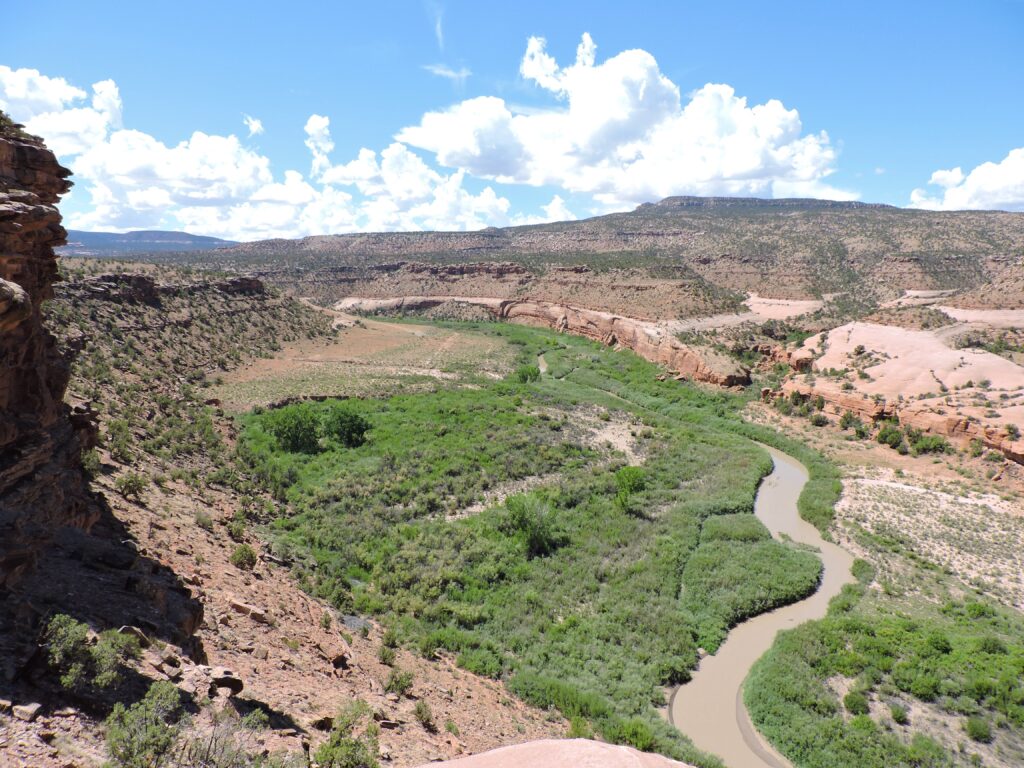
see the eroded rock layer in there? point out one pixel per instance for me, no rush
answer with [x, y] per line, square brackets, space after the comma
[41, 484]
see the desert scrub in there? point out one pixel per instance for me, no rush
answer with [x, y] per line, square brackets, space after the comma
[243, 557]
[399, 682]
[424, 716]
[84, 665]
[131, 484]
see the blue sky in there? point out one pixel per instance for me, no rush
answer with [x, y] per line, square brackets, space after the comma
[868, 101]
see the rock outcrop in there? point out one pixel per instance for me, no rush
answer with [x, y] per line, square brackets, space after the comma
[647, 339]
[41, 484]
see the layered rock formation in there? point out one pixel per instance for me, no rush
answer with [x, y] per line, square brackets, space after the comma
[41, 484]
[647, 339]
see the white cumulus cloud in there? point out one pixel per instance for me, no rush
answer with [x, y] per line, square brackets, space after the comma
[622, 132]
[318, 139]
[990, 186]
[210, 184]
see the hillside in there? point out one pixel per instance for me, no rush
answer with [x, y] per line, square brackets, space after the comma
[718, 247]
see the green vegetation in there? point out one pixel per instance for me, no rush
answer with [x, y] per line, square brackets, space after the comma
[86, 665]
[243, 557]
[424, 716]
[141, 735]
[546, 587]
[345, 749]
[963, 658]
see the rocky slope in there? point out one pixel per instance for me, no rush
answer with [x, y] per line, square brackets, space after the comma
[159, 559]
[41, 486]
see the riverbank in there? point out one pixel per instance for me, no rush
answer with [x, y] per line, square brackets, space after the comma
[709, 709]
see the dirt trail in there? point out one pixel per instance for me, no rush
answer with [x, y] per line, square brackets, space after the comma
[700, 708]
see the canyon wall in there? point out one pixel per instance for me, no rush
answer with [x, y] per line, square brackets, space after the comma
[647, 339]
[42, 488]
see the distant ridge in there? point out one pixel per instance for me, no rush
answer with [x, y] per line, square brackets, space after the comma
[82, 243]
[755, 203]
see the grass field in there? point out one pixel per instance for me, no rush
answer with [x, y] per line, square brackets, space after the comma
[589, 592]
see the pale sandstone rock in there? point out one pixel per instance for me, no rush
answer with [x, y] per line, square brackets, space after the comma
[559, 753]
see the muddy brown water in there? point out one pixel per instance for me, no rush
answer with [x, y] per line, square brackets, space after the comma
[709, 709]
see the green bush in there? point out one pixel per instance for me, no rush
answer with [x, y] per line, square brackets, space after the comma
[131, 484]
[899, 714]
[819, 419]
[533, 519]
[141, 735]
[386, 655]
[891, 435]
[347, 428]
[424, 716]
[978, 729]
[399, 682]
[524, 374]
[83, 664]
[345, 750]
[930, 444]
[296, 428]
[856, 703]
[244, 557]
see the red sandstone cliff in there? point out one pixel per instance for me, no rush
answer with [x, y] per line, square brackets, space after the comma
[41, 485]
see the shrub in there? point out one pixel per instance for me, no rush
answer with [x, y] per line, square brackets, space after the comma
[524, 374]
[386, 655]
[848, 419]
[140, 735]
[399, 681]
[344, 750]
[244, 557]
[890, 435]
[203, 520]
[819, 419]
[856, 703]
[91, 463]
[451, 727]
[347, 428]
[68, 650]
[110, 655]
[930, 444]
[532, 517]
[424, 716]
[82, 663]
[131, 484]
[236, 530]
[295, 427]
[978, 729]
[899, 714]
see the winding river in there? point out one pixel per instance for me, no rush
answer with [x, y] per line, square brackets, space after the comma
[709, 709]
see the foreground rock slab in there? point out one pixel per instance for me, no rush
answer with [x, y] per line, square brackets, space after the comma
[558, 753]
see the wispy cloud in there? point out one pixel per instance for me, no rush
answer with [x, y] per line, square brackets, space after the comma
[457, 76]
[438, 13]
[254, 124]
